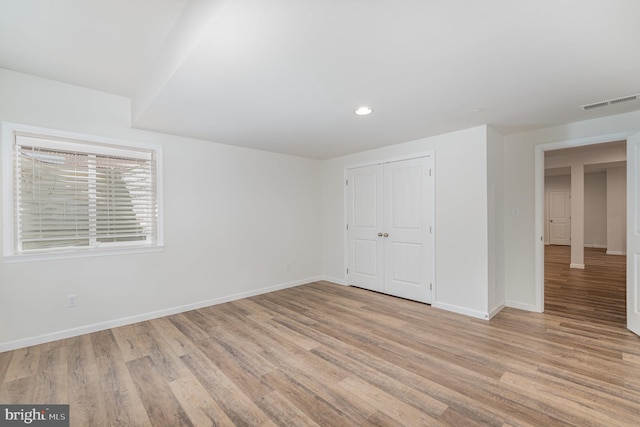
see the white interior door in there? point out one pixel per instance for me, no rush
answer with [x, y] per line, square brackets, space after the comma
[389, 228]
[407, 229]
[633, 233]
[365, 222]
[559, 217]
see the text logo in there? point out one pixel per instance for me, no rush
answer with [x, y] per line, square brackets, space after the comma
[34, 415]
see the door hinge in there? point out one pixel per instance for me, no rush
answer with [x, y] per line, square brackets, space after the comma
[429, 172]
[430, 286]
[347, 226]
[346, 182]
[347, 271]
[430, 232]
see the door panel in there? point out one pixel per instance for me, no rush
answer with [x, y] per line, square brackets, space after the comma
[365, 213]
[407, 259]
[365, 257]
[407, 221]
[404, 184]
[633, 233]
[364, 219]
[559, 217]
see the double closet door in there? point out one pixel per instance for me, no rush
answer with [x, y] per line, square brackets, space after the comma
[390, 210]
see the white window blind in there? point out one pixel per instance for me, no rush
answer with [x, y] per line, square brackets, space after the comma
[70, 195]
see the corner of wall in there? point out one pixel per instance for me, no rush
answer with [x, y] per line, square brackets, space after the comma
[496, 209]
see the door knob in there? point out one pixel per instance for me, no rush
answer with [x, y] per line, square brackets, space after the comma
[379, 234]
[385, 235]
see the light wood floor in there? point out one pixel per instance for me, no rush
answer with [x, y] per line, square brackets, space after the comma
[328, 355]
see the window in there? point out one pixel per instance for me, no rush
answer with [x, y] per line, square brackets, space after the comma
[77, 194]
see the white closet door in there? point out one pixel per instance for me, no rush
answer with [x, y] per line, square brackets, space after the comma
[364, 219]
[406, 227]
[389, 220]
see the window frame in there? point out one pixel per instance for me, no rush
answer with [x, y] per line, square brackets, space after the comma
[89, 144]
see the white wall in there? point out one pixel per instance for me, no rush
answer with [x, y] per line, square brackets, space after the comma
[595, 210]
[234, 219]
[461, 229]
[617, 211]
[557, 182]
[521, 241]
[495, 182]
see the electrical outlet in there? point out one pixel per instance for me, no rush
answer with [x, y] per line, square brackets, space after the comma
[72, 300]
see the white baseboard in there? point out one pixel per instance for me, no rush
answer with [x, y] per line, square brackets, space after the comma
[595, 246]
[578, 266]
[523, 306]
[497, 310]
[95, 327]
[616, 252]
[462, 310]
[335, 280]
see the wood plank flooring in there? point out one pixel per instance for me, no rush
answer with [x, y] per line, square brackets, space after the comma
[327, 355]
[596, 294]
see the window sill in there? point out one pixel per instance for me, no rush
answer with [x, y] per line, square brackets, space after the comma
[80, 254]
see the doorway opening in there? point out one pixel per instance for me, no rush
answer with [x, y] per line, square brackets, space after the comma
[583, 241]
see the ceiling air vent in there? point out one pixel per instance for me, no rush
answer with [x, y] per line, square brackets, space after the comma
[625, 99]
[609, 102]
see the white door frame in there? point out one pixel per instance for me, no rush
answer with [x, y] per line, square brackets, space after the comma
[633, 235]
[540, 205]
[432, 243]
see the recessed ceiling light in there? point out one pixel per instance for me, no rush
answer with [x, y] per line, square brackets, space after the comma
[363, 111]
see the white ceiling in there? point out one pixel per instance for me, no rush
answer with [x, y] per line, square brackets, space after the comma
[286, 75]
